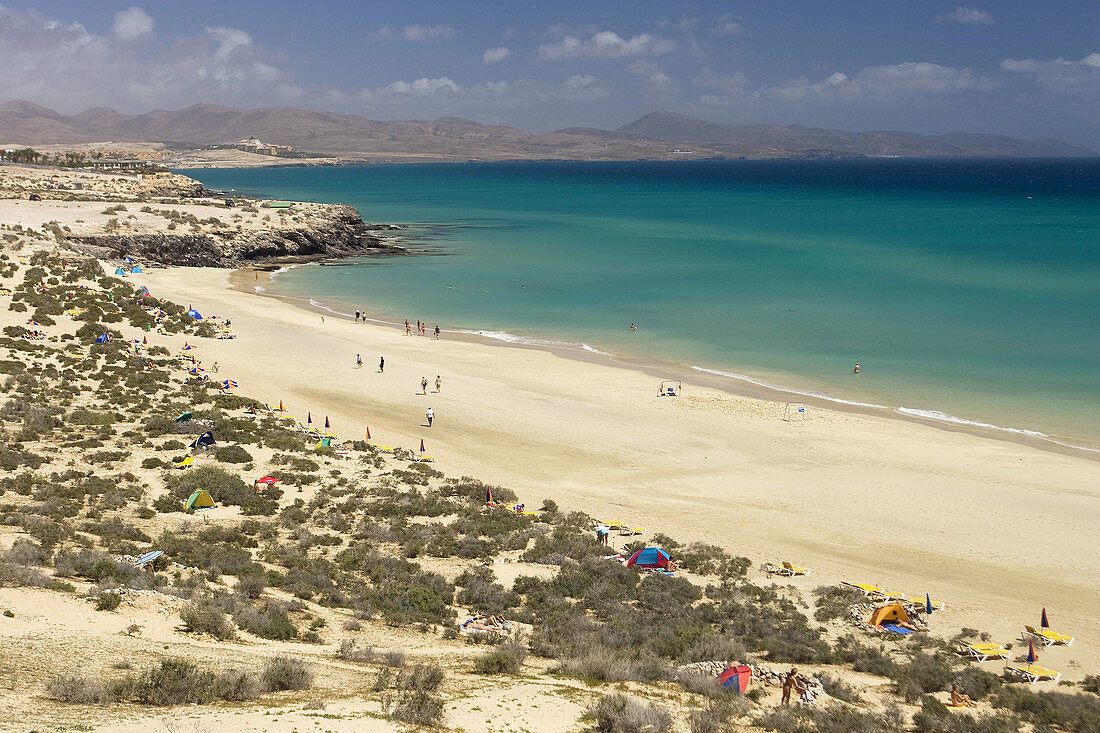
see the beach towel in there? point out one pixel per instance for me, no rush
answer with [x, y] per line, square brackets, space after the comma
[896, 629]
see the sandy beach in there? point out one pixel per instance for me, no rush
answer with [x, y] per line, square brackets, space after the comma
[996, 530]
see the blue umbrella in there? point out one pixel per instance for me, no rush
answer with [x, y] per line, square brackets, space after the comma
[309, 419]
[1031, 655]
[928, 602]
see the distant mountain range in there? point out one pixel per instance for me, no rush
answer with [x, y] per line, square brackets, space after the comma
[660, 135]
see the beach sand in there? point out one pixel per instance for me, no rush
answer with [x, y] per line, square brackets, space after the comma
[995, 529]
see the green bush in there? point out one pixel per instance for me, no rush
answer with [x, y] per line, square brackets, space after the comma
[619, 713]
[232, 454]
[108, 601]
[286, 673]
[504, 659]
[73, 689]
[269, 622]
[205, 617]
[175, 682]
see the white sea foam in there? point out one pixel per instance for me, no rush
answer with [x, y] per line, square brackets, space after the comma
[944, 417]
[788, 390]
[594, 350]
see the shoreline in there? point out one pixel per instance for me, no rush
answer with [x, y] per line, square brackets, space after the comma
[739, 385]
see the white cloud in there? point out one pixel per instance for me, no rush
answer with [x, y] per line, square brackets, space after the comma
[427, 32]
[969, 16]
[413, 33]
[493, 55]
[606, 45]
[1059, 76]
[880, 83]
[132, 23]
[67, 67]
[728, 27]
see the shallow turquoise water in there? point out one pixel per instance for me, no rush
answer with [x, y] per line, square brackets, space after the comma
[967, 288]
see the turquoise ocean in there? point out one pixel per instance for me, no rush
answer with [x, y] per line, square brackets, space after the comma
[968, 291]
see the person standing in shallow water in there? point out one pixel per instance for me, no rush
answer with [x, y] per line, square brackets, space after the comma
[856, 370]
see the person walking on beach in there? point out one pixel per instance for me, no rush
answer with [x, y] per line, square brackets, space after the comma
[215, 370]
[791, 683]
[382, 364]
[438, 383]
[358, 361]
[430, 414]
[357, 316]
[437, 332]
[408, 328]
[423, 385]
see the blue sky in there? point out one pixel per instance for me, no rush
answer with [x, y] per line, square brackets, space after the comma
[1019, 68]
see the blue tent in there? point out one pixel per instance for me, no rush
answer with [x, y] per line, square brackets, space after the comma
[195, 314]
[204, 440]
[135, 268]
[650, 557]
[120, 271]
[103, 339]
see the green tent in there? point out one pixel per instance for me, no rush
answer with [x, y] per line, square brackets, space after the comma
[278, 204]
[199, 500]
[184, 417]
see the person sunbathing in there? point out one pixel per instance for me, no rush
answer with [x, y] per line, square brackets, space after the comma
[959, 700]
[483, 623]
[911, 625]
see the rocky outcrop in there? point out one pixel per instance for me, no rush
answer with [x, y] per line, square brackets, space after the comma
[339, 233]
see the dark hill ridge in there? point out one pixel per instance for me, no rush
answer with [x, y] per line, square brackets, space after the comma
[672, 127]
[659, 135]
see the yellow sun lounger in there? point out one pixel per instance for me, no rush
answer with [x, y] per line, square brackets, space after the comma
[186, 462]
[983, 652]
[1048, 638]
[1033, 673]
[616, 525]
[862, 588]
[794, 569]
[888, 595]
[423, 458]
[631, 531]
[936, 605]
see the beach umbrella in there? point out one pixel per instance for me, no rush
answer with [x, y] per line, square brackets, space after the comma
[1044, 623]
[326, 422]
[309, 418]
[194, 314]
[269, 480]
[735, 678]
[144, 341]
[421, 445]
[928, 603]
[488, 495]
[368, 432]
[1032, 657]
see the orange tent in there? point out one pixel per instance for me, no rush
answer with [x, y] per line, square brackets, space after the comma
[892, 613]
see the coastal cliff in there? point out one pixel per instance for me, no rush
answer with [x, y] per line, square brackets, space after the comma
[335, 231]
[170, 219]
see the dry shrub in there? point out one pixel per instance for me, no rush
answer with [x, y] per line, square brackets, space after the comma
[618, 713]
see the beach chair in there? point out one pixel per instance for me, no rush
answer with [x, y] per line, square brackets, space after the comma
[863, 588]
[886, 595]
[793, 570]
[186, 462]
[1032, 673]
[631, 531]
[936, 605]
[983, 652]
[1047, 638]
[617, 525]
[423, 458]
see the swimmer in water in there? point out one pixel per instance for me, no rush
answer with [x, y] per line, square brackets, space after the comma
[633, 327]
[856, 370]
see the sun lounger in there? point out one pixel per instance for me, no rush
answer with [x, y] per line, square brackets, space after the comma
[186, 462]
[423, 458]
[1033, 673]
[795, 569]
[1048, 638]
[936, 605]
[619, 525]
[984, 652]
[866, 590]
[887, 595]
[631, 531]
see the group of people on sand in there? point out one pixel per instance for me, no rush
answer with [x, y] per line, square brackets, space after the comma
[424, 384]
[421, 328]
[481, 622]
